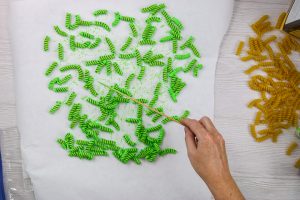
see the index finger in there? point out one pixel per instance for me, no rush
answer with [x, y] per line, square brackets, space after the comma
[196, 127]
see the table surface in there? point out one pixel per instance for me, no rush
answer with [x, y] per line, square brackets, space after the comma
[261, 170]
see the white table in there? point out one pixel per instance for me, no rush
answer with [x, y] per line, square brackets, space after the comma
[261, 170]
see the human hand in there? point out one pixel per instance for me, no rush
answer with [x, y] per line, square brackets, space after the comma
[207, 154]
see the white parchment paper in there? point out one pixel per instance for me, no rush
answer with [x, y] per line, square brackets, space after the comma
[56, 176]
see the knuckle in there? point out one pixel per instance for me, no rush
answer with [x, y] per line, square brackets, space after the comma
[204, 118]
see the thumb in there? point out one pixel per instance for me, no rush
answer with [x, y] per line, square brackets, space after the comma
[190, 141]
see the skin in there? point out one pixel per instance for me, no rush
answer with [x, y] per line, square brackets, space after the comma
[207, 154]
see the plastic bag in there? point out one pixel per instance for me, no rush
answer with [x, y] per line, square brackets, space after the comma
[16, 185]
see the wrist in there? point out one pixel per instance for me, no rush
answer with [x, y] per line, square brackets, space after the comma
[221, 186]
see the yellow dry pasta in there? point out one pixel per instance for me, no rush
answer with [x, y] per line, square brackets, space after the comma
[291, 148]
[280, 20]
[276, 78]
[239, 48]
[297, 163]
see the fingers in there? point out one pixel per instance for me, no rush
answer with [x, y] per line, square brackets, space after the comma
[208, 124]
[196, 127]
[190, 140]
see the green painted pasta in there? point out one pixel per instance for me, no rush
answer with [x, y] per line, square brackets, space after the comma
[153, 19]
[157, 116]
[51, 68]
[72, 43]
[155, 95]
[133, 29]
[133, 120]
[84, 22]
[71, 99]
[189, 44]
[107, 57]
[174, 46]
[111, 45]
[184, 115]
[127, 56]
[139, 59]
[175, 71]
[56, 107]
[128, 140]
[65, 79]
[129, 80]
[147, 42]
[126, 44]
[117, 68]
[190, 66]
[149, 8]
[60, 51]
[60, 32]
[73, 67]
[102, 25]
[95, 44]
[167, 151]
[117, 19]
[87, 35]
[142, 72]
[177, 22]
[68, 21]
[62, 143]
[83, 45]
[167, 39]
[127, 19]
[100, 12]
[153, 129]
[46, 43]
[139, 49]
[194, 50]
[182, 56]
[61, 89]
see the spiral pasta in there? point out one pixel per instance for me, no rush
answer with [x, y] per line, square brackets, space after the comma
[127, 19]
[117, 68]
[102, 25]
[129, 80]
[291, 148]
[71, 99]
[126, 44]
[156, 93]
[117, 19]
[56, 107]
[51, 68]
[46, 43]
[153, 19]
[133, 29]
[182, 56]
[60, 32]
[87, 35]
[128, 140]
[68, 21]
[95, 44]
[60, 50]
[73, 67]
[240, 48]
[100, 12]
[142, 72]
[280, 20]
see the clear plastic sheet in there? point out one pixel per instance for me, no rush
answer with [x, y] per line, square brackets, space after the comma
[17, 185]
